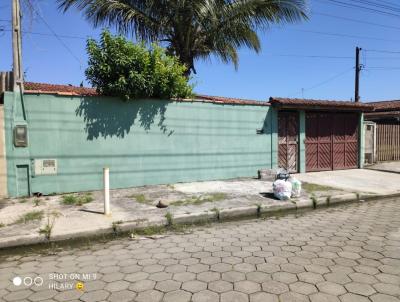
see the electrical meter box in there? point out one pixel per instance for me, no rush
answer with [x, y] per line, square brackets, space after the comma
[45, 166]
[20, 136]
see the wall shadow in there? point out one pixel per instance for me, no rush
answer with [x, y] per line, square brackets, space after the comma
[111, 117]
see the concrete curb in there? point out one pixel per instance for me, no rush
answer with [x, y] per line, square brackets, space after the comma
[281, 208]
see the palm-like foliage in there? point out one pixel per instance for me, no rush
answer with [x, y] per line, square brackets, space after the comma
[193, 28]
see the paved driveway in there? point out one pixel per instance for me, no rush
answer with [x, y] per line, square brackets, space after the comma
[346, 254]
[356, 180]
[393, 166]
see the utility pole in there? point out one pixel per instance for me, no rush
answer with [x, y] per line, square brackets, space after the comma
[18, 83]
[357, 82]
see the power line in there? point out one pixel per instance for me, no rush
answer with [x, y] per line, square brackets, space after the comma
[379, 5]
[381, 51]
[49, 35]
[55, 34]
[324, 82]
[330, 57]
[311, 56]
[355, 6]
[345, 35]
[383, 67]
[356, 20]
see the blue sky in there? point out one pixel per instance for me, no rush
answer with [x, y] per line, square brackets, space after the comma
[269, 73]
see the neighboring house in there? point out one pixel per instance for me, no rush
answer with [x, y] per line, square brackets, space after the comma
[58, 138]
[382, 131]
[317, 135]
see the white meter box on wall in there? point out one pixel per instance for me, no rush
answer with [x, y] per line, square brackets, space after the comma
[45, 166]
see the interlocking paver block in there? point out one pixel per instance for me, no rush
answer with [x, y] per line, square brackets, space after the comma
[322, 297]
[263, 297]
[208, 276]
[363, 278]
[284, 277]
[292, 297]
[389, 289]
[303, 288]
[331, 288]
[360, 288]
[234, 296]
[117, 286]
[258, 277]
[337, 278]
[122, 296]
[247, 287]
[167, 286]
[149, 296]
[97, 295]
[383, 298]
[233, 276]
[349, 297]
[310, 277]
[142, 285]
[220, 286]
[274, 287]
[186, 276]
[205, 296]
[194, 286]
[177, 296]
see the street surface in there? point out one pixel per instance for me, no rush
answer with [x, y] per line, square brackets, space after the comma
[347, 253]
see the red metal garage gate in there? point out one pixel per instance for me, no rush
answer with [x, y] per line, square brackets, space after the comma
[288, 133]
[331, 141]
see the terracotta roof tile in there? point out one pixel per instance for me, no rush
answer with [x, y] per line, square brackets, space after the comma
[322, 104]
[386, 105]
[226, 100]
[43, 88]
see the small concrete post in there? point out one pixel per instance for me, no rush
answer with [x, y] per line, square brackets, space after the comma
[106, 178]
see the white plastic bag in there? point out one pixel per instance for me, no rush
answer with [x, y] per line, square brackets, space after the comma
[296, 187]
[282, 189]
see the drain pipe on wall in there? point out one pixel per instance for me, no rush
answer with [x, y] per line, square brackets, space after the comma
[106, 179]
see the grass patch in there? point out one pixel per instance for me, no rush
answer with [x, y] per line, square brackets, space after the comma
[140, 198]
[47, 230]
[170, 219]
[310, 188]
[197, 200]
[2, 225]
[30, 216]
[77, 199]
[23, 200]
[217, 212]
[115, 226]
[314, 201]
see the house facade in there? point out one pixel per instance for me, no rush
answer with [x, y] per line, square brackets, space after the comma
[383, 130]
[58, 139]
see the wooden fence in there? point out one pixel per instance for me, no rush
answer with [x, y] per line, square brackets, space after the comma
[388, 141]
[6, 81]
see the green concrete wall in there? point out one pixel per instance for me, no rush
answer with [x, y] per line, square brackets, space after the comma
[142, 142]
[361, 153]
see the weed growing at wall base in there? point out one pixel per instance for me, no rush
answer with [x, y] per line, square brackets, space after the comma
[30, 216]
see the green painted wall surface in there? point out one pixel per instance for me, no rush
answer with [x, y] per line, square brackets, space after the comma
[3, 168]
[361, 156]
[142, 142]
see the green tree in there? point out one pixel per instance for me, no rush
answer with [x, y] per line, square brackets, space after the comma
[118, 67]
[193, 29]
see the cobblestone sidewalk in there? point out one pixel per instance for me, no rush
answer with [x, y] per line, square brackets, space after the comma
[348, 254]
